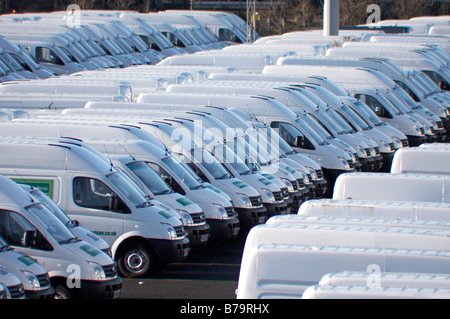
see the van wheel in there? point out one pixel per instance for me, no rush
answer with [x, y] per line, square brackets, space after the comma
[136, 260]
[62, 292]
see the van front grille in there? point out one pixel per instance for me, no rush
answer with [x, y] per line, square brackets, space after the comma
[110, 271]
[256, 201]
[17, 291]
[44, 281]
[198, 218]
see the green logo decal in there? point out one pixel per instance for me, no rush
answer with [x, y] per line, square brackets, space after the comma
[240, 184]
[165, 214]
[26, 260]
[90, 250]
[184, 201]
[268, 176]
[265, 181]
[45, 185]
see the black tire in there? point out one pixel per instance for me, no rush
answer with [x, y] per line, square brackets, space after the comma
[137, 260]
[63, 292]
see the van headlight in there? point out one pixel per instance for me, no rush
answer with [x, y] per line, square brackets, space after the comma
[186, 217]
[288, 184]
[170, 230]
[245, 199]
[269, 194]
[344, 162]
[222, 211]
[32, 280]
[98, 270]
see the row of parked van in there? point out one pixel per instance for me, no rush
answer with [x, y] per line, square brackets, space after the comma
[380, 236]
[161, 160]
[42, 45]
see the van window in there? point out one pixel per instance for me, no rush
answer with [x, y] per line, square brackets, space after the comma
[166, 177]
[93, 193]
[13, 227]
[47, 56]
[375, 105]
[289, 133]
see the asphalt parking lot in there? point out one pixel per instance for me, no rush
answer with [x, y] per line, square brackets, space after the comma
[212, 274]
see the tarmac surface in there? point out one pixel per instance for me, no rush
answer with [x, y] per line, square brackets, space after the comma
[212, 274]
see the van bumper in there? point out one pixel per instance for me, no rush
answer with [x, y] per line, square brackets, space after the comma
[321, 187]
[415, 140]
[276, 208]
[48, 293]
[367, 164]
[198, 235]
[101, 289]
[249, 217]
[224, 228]
[298, 198]
[171, 250]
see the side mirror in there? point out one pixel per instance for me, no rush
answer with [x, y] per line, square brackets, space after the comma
[29, 238]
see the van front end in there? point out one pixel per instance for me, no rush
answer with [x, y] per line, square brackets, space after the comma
[106, 285]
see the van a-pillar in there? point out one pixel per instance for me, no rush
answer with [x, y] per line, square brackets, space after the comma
[331, 17]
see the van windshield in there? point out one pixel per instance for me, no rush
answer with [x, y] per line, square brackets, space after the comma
[200, 155]
[128, 190]
[183, 172]
[51, 224]
[45, 200]
[225, 155]
[150, 178]
[369, 113]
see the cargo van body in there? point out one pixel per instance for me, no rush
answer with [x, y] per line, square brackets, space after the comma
[396, 187]
[284, 96]
[45, 238]
[332, 160]
[391, 132]
[72, 225]
[31, 279]
[219, 212]
[10, 285]
[113, 209]
[395, 210]
[432, 111]
[350, 79]
[277, 258]
[421, 160]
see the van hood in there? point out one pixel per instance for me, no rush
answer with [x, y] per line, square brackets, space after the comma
[178, 201]
[89, 237]
[15, 261]
[88, 252]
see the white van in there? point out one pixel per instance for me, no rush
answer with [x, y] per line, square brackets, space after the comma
[88, 189]
[421, 160]
[352, 284]
[32, 229]
[333, 160]
[218, 210]
[10, 285]
[427, 108]
[366, 292]
[114, 91]
[288, 98]
[72, 225]
[34, 282]
[352, 79]
[277, 259]
[244, 63]
[344, 221]
[392, 187]
[396, 210]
